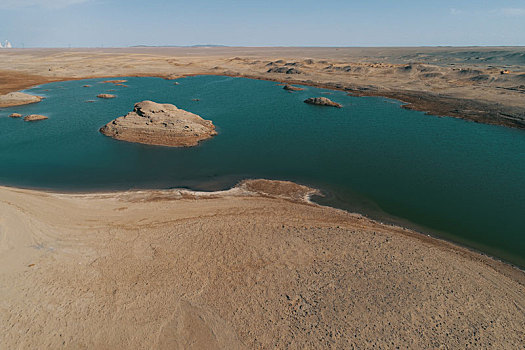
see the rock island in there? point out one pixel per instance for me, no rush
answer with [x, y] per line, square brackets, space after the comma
[160, 124]
[322, 101]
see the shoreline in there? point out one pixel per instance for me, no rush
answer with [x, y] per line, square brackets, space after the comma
[241, 190]
[382, 217]
[432, 104]
[90, 270]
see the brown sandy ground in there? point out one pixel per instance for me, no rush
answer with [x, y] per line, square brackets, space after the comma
[238, 269]
[459, 82]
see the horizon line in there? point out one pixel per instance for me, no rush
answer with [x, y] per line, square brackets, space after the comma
[255, 46]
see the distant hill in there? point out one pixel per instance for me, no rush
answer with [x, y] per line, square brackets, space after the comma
[200, 45]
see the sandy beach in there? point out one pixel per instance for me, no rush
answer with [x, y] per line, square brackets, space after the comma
[238, 269]
[257, 266]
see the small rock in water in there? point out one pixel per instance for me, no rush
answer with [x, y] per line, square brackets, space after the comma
[292, 88]
[106, 96]
[34, 117]
[322, 101]
[114, 81]
[15, 115]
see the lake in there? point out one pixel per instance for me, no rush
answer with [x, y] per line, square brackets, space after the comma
[448, 177]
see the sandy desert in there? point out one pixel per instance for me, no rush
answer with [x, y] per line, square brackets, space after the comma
[257, 266]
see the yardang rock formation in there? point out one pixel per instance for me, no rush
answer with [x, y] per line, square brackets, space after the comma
[322, 101]
[160, 124]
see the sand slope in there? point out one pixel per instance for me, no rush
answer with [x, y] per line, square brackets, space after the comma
[232, 270]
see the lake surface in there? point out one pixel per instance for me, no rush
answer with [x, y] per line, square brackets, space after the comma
[460, 180]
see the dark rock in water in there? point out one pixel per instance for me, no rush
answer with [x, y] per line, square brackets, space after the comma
[15, 115]
[292, 88]
[322, 101]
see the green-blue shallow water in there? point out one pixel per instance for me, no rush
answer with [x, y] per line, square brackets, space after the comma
[461, 180]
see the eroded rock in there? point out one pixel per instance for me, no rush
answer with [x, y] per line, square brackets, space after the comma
[34, 117]
[160, 124]
[106, 96]
[18, 99]
[322, 101]
[292, 88]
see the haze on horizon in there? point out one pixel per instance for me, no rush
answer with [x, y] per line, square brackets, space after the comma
[119, 23]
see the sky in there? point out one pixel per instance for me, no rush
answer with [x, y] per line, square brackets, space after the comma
[121, 23]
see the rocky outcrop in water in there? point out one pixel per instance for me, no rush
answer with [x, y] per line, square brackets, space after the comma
[15, 115]
[34, 117]
[160, 124]
[292, 88]
[106, 96]
[115, 82]
[322, 101]
[18, 99]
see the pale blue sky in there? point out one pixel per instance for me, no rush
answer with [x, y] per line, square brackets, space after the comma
[92, 23]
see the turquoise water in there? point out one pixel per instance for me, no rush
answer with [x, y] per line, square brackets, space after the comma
[461, 180]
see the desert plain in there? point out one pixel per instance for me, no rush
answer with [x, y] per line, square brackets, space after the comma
[257, 266]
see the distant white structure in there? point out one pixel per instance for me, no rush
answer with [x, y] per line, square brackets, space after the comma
[6, 45]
